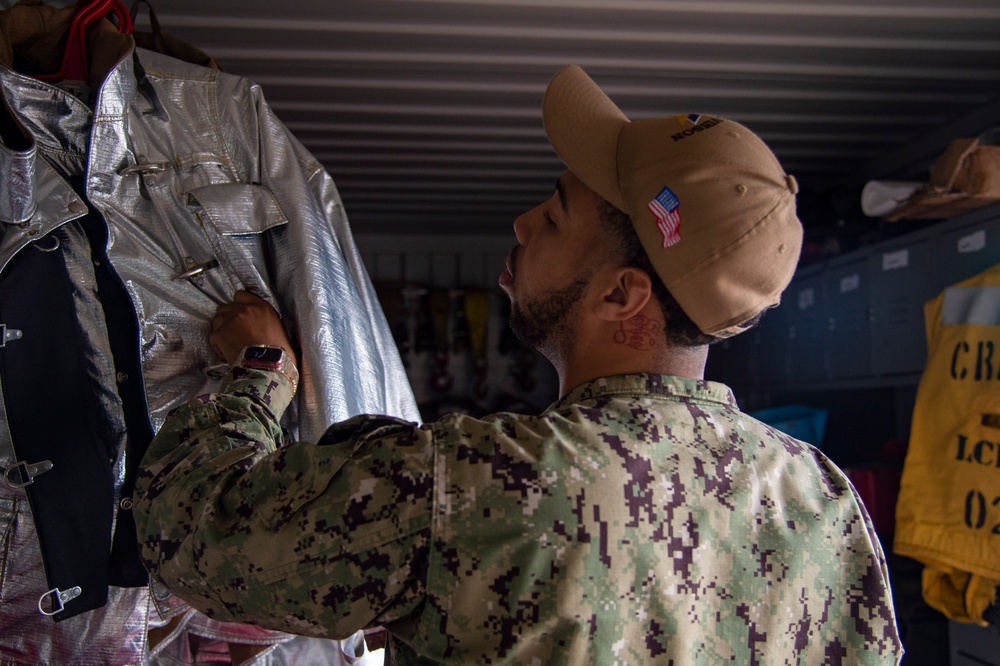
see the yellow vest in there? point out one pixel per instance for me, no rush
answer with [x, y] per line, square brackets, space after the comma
[948, 512]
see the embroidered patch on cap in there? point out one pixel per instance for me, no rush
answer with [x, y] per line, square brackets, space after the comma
[666, 207]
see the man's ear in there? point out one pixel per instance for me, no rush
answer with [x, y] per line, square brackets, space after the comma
[625, 295]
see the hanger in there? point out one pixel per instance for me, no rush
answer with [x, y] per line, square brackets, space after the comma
[74, 63]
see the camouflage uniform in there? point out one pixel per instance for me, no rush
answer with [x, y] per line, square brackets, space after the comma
[641, 519]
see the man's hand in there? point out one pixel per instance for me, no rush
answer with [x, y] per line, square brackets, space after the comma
[248, 320]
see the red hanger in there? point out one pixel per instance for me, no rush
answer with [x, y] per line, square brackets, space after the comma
[74, 63]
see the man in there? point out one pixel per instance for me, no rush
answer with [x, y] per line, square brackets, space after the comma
[641, 519]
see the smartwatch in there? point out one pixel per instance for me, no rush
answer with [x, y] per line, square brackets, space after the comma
[272, 359]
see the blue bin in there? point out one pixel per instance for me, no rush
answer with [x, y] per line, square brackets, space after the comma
[799, 421]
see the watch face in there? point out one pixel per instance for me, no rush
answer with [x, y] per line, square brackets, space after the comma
[262, 356]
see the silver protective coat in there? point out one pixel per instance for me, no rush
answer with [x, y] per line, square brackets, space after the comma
[195, 175]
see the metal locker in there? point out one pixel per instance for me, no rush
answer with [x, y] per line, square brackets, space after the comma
[806, 300]
[772, 353]
[967, 250]
[900, 285]
[849, 319]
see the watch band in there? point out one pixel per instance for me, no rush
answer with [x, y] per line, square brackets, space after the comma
[272, 359]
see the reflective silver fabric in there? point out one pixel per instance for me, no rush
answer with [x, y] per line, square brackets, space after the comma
[114, 634]
[194, 175]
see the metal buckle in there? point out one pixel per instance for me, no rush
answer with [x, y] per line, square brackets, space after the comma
[31, 470]
[194, 270]
[9, 334]
[52, 248]
[59, 599]
[145, 167]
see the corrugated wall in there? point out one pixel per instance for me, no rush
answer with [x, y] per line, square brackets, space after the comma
[427, 112]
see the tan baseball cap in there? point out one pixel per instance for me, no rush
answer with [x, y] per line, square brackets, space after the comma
[711, 204]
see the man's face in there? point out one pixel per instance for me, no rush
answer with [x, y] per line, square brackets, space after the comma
[548, 272]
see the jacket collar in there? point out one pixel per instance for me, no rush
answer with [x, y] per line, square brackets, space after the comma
[43, 115]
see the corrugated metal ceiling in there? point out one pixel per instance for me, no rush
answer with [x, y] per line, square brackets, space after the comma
[427, 115]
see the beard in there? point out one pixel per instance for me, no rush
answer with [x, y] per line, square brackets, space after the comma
[546, 323]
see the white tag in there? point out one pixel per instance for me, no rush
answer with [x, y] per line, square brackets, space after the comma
[974, 242]
[850, 283]
[893, 260]
[807, 297]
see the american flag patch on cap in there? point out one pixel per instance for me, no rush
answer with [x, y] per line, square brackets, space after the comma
[666, 208]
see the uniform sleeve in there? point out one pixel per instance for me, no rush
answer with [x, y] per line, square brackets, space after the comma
[317, 539]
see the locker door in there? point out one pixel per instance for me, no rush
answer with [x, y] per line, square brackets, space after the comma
[848, 321]
[972, 645]
[967, 251]
[773, 350]
[901, 284]
[806, 301]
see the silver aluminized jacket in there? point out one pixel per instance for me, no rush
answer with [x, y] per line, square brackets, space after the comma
[199, 191]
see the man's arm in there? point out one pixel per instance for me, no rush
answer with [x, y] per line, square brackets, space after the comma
[317, 539]
[198, 456]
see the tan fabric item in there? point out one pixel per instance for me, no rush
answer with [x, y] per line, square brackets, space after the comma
[725, 238]
[966, 176]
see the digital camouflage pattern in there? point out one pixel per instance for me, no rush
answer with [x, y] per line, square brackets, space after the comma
[641, 519]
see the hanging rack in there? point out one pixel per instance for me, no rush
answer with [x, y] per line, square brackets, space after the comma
[74, 62]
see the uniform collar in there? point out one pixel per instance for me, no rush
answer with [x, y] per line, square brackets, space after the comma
[649, 386]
